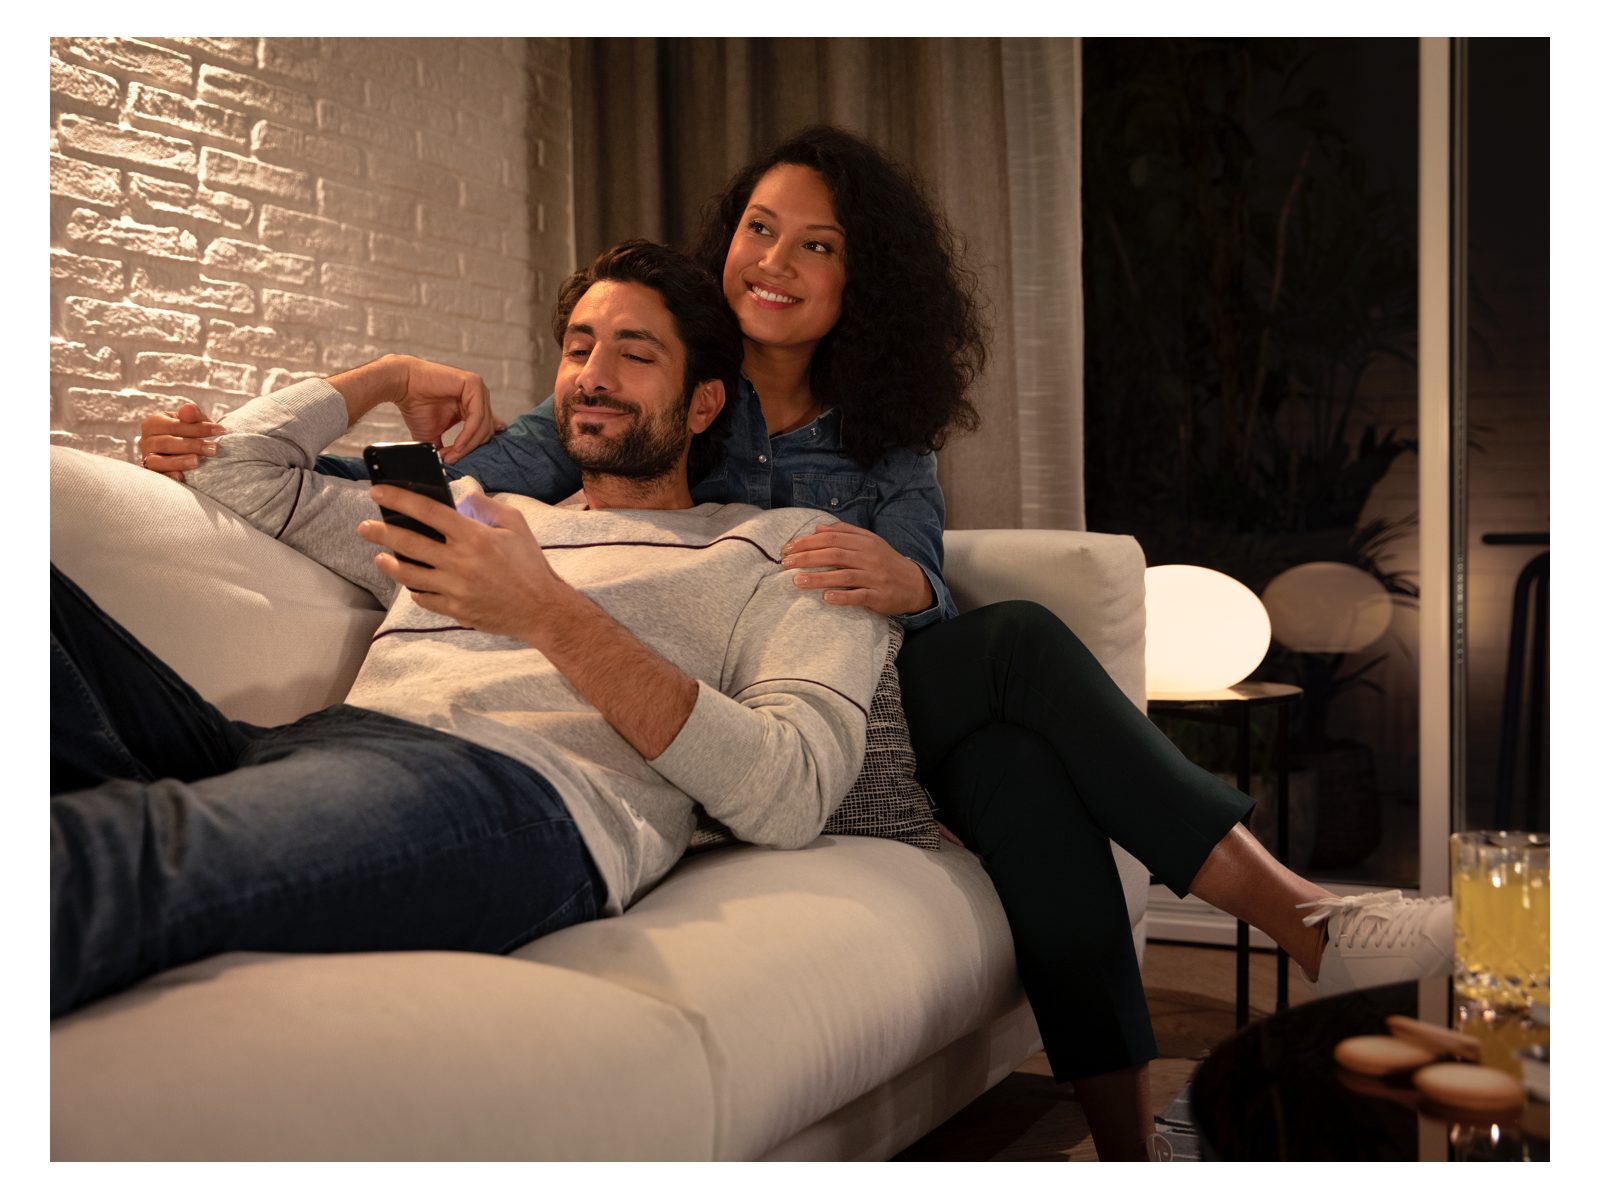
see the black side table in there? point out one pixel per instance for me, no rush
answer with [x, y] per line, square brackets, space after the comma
[1273, 1092]
[1232, 707]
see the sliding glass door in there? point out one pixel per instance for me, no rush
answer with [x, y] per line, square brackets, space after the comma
[1317, 326]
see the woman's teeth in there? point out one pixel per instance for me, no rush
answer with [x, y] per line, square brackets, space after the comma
[761, 293]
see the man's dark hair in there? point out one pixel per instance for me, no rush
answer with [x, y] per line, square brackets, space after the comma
[713, 345]
[911, 336]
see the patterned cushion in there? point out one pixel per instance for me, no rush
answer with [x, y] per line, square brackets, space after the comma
[886, 800]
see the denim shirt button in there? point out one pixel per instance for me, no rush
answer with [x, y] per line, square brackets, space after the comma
[834, 503]
[761, 458]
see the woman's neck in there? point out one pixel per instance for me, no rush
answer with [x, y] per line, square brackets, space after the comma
[781, 376]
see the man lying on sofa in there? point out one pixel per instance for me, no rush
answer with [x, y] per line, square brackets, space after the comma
[541, 707]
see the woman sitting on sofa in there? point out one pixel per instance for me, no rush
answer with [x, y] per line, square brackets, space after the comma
[862, 339]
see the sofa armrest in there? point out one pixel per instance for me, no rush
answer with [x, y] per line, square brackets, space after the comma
[255, 627]
[1093, 581]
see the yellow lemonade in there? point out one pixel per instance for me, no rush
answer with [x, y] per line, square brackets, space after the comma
[1500, 889]
[1501, 1038]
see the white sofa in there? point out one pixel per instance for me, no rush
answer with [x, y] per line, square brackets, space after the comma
[833, 1002]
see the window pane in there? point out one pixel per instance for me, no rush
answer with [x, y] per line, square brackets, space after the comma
[1251, 405]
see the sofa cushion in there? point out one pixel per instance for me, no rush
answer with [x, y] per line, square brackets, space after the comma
[887, 799]
[260, 630]
[894, 1114]
[812, 976]
[377, 1056]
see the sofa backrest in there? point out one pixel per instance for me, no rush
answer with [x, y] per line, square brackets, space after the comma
[1093, 581]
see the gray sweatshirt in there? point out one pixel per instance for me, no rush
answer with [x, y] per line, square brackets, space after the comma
[777, 733]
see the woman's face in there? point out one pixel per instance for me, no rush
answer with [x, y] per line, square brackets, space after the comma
[784, 275]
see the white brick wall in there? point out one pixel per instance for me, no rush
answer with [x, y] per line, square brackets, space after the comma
[231, 214]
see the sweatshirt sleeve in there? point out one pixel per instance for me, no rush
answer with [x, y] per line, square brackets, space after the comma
[264, 470]
[773, 751]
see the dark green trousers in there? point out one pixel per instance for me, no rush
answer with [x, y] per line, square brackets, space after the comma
[1038, 762]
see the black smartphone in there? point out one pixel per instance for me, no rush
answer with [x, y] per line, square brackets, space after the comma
[416, 467]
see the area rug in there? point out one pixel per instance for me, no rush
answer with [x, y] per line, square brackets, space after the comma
[1175, 1125]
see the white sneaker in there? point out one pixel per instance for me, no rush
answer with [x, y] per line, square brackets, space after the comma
[1380, 937]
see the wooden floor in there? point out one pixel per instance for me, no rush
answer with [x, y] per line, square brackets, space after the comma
[1027, 1117]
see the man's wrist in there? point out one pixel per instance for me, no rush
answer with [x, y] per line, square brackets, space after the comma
[371, 384]
[556, 611]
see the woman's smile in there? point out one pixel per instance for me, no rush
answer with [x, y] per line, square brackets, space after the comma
[770, 297]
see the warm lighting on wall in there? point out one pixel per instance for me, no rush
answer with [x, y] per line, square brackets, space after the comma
[1203, 631]
[1327, 608]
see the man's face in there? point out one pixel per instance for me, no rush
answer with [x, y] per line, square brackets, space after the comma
[621, 401]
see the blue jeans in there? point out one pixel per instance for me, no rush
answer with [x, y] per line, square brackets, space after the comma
[176, 833]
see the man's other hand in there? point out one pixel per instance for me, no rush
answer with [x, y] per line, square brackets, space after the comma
[489, 573]
[437, 396]
[431, 398]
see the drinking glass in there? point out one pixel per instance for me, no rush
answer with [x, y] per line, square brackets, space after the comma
[1500, 892]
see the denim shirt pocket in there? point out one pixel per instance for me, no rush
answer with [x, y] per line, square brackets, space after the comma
[849, 497]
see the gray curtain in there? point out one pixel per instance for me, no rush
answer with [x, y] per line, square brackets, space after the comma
[991, 125]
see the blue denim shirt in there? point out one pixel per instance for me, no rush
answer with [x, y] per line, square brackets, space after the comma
[898, 497]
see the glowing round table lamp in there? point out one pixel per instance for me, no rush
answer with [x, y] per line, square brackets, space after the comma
[1327, 608]
[1203, 631]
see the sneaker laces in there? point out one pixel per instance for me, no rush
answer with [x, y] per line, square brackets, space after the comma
[1373, 918]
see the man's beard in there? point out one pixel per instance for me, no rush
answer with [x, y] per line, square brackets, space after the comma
[645, 451]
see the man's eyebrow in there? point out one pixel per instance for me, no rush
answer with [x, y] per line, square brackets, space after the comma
[624, 335]
[641, 335]
[770, 213]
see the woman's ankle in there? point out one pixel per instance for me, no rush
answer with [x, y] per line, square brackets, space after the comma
[1117, 1106]
[1310, 959]
[1242, 878]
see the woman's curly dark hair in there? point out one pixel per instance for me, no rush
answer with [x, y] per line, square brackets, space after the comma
[911, 336]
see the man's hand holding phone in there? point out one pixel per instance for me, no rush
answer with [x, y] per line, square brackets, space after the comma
[490, 573]
[487, 573]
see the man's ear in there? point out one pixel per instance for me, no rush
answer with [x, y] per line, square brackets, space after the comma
[707, 401]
